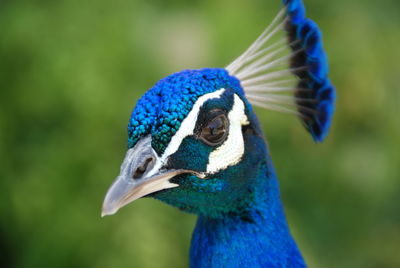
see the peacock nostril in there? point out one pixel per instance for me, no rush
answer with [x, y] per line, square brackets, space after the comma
[140, 170]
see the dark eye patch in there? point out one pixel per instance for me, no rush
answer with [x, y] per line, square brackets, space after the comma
[192, 155]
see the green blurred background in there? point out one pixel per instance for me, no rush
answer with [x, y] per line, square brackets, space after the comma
[71, 71]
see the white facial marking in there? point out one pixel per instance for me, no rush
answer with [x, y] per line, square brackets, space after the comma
[231, 151]
[186, 128]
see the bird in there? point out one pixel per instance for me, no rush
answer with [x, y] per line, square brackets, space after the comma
[195, 142]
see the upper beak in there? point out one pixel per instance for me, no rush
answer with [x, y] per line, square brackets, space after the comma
[140, 175]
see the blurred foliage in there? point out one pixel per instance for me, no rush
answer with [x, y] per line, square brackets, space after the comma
[71, 71]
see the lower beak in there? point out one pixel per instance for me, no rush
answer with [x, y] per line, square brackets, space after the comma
[125, 190]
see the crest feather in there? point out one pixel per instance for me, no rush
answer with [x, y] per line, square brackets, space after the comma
[286, 70]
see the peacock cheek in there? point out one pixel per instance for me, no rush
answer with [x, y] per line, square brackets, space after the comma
[192, 155]
[206, 186]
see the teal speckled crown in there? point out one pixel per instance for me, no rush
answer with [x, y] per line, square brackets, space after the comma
[161, 110]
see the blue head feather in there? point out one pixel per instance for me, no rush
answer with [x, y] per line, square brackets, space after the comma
[161, 110]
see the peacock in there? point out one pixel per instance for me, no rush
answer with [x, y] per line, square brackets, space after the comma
[194, 142]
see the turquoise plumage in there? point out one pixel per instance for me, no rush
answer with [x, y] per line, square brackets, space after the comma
[196, 143]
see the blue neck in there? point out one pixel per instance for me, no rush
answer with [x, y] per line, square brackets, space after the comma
[259, 239]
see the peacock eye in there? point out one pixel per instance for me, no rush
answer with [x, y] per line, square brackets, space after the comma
[215, 131]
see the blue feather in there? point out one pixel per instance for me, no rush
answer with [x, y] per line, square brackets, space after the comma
[320, 101]
[176, 93]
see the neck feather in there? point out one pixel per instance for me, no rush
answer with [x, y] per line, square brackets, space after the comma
[259, 239]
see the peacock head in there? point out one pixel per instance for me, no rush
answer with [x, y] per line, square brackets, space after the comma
[194, 140]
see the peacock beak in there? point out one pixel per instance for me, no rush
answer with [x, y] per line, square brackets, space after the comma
[141, 174]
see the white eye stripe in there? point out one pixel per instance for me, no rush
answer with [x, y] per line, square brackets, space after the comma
[186, 128]
[189, 123]
[231, 151]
